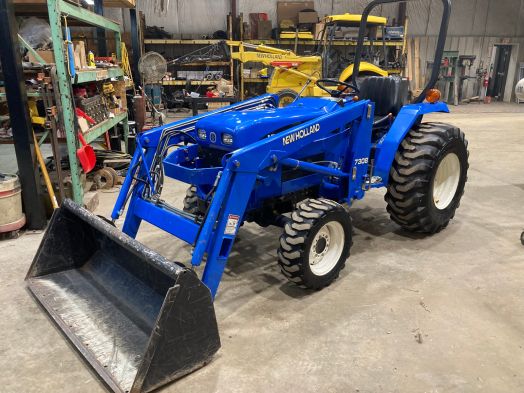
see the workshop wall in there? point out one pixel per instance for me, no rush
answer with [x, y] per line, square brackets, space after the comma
[475, 26]
[205, 16]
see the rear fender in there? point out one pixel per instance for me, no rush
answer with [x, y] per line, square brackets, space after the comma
[387, 146]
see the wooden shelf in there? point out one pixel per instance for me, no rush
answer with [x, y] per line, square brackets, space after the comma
[96, 131]
[99, 74]
[107, 3]
[206, 63]
[193, 83]
[156, 41]
[161, 41]
[120, 3]
[256, 80]
[33, 94]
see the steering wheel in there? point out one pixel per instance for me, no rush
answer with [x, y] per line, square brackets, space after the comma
[336, 93]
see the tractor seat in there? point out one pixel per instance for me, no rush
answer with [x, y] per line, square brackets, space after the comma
[389, 94]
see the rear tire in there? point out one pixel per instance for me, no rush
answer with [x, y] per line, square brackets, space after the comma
[427, 178]
[315, 243]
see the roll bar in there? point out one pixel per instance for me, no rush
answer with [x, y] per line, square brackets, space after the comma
[438, 52]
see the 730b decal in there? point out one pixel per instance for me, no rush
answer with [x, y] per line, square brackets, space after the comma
[295, 136]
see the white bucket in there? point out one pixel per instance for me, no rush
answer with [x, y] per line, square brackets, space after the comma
[11, 216]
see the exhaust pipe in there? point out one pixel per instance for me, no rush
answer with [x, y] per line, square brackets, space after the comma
[138, 319]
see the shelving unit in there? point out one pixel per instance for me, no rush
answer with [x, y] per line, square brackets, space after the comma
[97, 75]
[154, 41]
[29, 94]
[183, 83]
[197, 65]
[57, 9]
[98, 130]
[278, 43]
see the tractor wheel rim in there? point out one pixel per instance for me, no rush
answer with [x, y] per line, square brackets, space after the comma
[446, 181]
[326, 248]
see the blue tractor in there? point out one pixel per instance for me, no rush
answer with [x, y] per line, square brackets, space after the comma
[299, 167]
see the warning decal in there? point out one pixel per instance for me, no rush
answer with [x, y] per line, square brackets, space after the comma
[232, 224]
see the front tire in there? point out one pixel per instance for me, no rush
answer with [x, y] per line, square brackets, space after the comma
[191, 201]
[315, 244]
[427, 178]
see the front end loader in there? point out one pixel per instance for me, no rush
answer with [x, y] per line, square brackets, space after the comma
[142, 321]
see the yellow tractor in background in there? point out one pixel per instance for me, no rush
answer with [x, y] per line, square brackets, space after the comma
[293, 74]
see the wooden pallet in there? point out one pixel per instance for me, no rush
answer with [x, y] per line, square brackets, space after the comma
[107, 3]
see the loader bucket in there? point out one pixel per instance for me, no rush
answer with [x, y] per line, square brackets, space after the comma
[140, 320]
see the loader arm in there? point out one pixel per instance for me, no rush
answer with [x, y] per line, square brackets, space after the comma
[151, 142]
[235, 181]
[266, 54]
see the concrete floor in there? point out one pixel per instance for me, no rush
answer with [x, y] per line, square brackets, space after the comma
[408, 314]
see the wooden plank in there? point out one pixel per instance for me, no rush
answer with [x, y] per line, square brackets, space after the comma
[417, 75]
[423, 58]
[161, 41]
[409, 55]
[107, 3]
[120, 3]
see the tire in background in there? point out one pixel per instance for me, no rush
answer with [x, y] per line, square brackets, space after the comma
[286, 97]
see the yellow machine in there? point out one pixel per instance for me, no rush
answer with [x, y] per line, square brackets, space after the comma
[291, 71]
[297, 73]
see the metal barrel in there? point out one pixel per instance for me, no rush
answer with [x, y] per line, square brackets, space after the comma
[138, 319]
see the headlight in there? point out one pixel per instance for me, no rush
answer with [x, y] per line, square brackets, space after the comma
[202, 133]
[227, 139]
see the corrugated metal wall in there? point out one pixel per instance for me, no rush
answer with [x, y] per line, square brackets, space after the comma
[207, 16]
[470, 17]
[475, 25]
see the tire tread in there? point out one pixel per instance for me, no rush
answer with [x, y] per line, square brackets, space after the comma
[410, 174]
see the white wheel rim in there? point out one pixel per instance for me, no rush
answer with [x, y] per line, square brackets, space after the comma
[446, 181]
[326, 248]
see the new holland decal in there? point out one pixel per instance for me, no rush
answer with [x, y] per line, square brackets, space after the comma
[295, 136]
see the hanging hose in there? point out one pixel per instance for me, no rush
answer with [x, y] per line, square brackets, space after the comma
[45, 174]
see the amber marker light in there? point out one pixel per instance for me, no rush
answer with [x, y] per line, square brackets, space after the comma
[433, 95]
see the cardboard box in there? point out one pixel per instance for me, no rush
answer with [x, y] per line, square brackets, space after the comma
[120, 92]
[216, 105]
[246, 30]
[307, 17]
[319, 29]
[47, 55]
[80, 55]
[339, 34]
[290, 9]
[256, 16]
[264, 29]
[254, 20]
[287, 24]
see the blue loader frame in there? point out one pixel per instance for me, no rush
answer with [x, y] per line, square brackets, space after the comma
[345, 131]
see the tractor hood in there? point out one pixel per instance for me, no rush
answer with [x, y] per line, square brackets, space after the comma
[233, 130]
